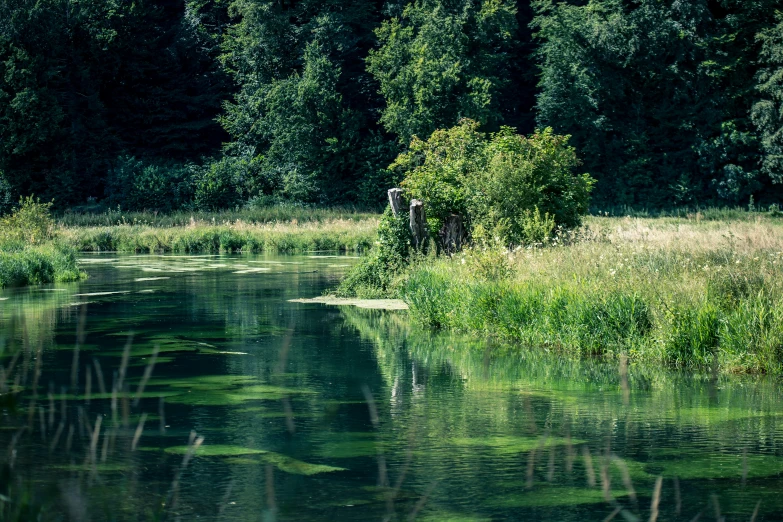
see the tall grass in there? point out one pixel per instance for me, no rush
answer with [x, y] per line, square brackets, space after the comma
[30, 252]
[252, 215]
[678, 292]
[334, 235]
[30, 265]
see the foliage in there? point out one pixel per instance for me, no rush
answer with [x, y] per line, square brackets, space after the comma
[30, 224]
[505, 185]
[297, 110]
[338, 235]
[673, 291]
[251, 213]
[668, 103]
[6, 197]
[134, 184]
[376, 274]
[767, 113]
[83, 81]
[32, 265]
[656, 95]
[440, 62]
[219, 184]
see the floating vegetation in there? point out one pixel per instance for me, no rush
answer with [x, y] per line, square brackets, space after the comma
[510, 445]
[349, 445]
[253, 270]
[215, 450]
[287, 464]
[101, 294]
[373, 304]
[717, 466]
[551, 496]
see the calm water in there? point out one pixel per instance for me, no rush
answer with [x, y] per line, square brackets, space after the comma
[312, 412]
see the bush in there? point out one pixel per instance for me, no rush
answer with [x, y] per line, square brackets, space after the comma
[133, 184]
[374, 275]
[38, 265]
[6, 196]
[514, 187]
[219, 184]
[30, 224]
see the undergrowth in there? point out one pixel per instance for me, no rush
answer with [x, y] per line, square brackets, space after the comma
[679, 294]
[30, 250]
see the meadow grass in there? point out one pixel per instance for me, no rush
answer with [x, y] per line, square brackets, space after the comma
[338, 235]
[684, 292]
[181, 218]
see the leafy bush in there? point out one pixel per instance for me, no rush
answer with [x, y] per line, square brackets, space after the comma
[375, 274]
[6, 196]
[38, 265]
[133, 184]
[219, 184]
[513, 187]
[30, 224]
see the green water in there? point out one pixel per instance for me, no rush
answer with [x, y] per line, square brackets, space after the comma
[314, 412]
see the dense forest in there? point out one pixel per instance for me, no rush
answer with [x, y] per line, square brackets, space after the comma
[164, 104]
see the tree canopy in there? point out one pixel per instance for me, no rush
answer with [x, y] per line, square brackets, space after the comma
[215, 102]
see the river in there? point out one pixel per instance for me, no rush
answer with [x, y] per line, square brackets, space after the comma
[258, 408]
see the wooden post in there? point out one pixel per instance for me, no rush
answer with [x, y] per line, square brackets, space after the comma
[418, 224]
[451, 235]
[395, 200]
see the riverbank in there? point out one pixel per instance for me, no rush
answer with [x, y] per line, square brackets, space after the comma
[336, 235]
[684, 292]
[40, 264]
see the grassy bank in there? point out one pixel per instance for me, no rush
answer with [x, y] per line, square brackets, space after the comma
[684, 292]
[340, 235]
[30, 265]
[250, 215]
[30, 249]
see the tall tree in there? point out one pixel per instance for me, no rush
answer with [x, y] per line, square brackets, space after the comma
[52, 123]
[305, 107]
[441, 61]
[630, 82]
[82, 81]
[768, 112]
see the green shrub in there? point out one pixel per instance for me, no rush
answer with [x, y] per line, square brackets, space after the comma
[219, 184]
[6, 196]
[515, 187]
[38, 265]
[133, 184]
[694, 336]
[374, 275]
[30, 224]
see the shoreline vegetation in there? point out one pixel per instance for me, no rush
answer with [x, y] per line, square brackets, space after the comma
[335, 235]
[699, 289]
[683, 292]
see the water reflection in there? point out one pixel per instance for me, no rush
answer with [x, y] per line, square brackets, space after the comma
[256, 407]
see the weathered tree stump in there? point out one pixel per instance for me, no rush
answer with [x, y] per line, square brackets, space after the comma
[395, 200]
[451, 235]
[418, 224]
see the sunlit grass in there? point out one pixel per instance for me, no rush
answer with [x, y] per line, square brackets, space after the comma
[682, 291]
[339, 235]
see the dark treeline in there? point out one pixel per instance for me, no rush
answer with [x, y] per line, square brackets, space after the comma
[164, 104]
